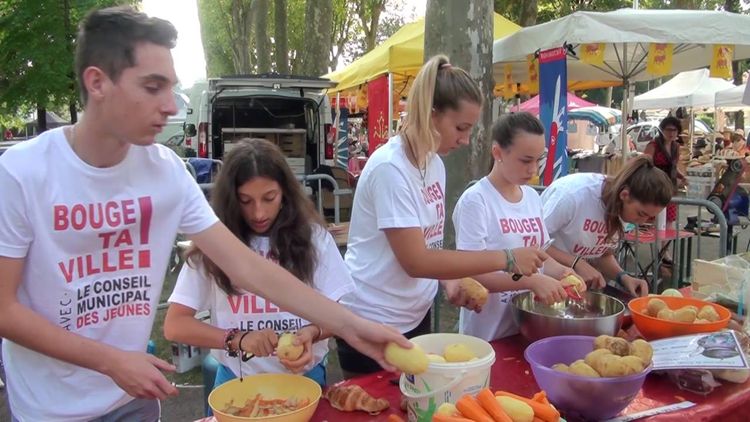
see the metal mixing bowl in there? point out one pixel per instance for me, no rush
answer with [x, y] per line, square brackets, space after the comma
[595, 315]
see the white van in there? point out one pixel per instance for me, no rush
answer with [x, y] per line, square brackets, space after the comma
[293, 112]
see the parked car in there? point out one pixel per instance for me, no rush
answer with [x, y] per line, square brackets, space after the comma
[644, 132]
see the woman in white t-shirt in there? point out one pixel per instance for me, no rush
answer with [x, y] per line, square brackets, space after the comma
[500, 212]
[585, 212]
[258, 198]
[395, 251]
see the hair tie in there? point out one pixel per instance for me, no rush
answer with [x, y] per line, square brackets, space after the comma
[446, 66]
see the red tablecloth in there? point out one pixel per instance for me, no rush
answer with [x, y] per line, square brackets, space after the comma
[728, 403]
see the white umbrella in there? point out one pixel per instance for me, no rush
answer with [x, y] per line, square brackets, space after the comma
[687, 89]
[627, 35]
[730, 98]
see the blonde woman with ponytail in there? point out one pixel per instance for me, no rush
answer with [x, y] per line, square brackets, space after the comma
[585, 213]
[395, 250]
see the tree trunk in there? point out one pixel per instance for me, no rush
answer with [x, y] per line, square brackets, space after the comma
[529, 11]
[463, 31]
[239, 34]
[262, 43]
[70, 38]
[318, 34]
[73, 109]
[41, 119]
[369, 19]
[281, 45]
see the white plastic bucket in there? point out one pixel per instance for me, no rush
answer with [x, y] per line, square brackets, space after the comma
[445, 382]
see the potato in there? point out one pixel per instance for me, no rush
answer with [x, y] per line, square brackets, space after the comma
[433, 358]
[474, 290]
[671, 292]
[601, 342]
[693, 307]
[285, 349]
[561, 367]
[574, 281]
[701, 321]
[643, 350]
[411, 361]
[582, 369]
[592, 356]
[517, 410]
[685, 314]
[458, 352]
[634, 364]
[616, 345]
[447, 409]
[611, 366]
[654, 306]
[666, 314]
[708, 313]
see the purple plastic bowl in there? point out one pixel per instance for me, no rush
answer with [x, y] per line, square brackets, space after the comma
[575, 396]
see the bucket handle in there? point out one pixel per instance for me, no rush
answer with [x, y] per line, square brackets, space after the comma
[424, 395]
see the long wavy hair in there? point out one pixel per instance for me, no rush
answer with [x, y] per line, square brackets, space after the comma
[290, 235]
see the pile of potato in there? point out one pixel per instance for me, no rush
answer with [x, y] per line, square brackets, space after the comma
[689, 314]
[415, 360]
[611, 357]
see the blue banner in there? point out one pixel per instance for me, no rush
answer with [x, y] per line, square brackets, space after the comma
[553, 98]
[341, 145]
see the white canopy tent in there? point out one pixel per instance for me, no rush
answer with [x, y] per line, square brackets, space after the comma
[693, 89]
[730, 98]
[627, 35]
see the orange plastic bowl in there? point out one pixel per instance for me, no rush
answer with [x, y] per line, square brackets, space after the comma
[653, 328]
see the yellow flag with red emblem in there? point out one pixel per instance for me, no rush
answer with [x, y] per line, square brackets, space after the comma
[592, 54]
[508, 81]
[659, 59]
[533, 68]
[721, 63]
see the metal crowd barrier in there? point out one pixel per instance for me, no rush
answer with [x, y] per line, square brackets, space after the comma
[306, 179]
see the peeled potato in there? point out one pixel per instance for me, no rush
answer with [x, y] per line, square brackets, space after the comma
[654, 306]
[633, 364]
[458, 352]
[643, 350]
[571, 280]
[671, 292]
[411, 361]
[693, 307]
[593, 356]
[616, 345]
[432, 357]
[685, 314]
[286, 349]
[708, 313]
[517, 410]
[561, 367]
[582, 369]
[447, 409]
[666, 314]
[474, 290]
[701, 321]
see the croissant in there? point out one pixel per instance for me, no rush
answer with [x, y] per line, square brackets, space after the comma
[352, 397]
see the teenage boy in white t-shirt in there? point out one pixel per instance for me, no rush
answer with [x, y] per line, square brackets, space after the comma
[499, 212]
[88, 216]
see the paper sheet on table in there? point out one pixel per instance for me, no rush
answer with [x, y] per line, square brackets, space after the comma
[719, 350]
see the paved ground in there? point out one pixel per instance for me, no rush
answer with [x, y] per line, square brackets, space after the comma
[188, 406]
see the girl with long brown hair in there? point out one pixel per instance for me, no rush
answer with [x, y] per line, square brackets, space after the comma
[585, 213]
[258, 198]
[395, 252]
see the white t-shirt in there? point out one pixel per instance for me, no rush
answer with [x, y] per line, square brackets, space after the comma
[250, 312]
[574, 215]
[96, 243]
[485, 220]
[391, 194]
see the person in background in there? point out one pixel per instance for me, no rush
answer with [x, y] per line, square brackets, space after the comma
[739, 144]
[86, 240]
[665, 152]
[258, 198]
[500, 212]
[585, 212]
[395, 251]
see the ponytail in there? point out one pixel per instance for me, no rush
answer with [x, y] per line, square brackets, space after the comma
[645, 183]
[437, 87]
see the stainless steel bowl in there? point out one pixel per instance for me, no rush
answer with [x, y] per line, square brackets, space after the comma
[595, 315]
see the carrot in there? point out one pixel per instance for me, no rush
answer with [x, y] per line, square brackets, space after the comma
[470, 408]
[395, 418]
[488, 402]
[448, 418]
[541, 397]
[537, 419]
[544, 412]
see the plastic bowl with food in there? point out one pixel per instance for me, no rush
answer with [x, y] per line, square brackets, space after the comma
[574, 395]
[653, 328]
[287, 398]
[595, 315]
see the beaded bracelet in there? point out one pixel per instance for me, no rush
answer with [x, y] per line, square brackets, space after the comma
[229, 335]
